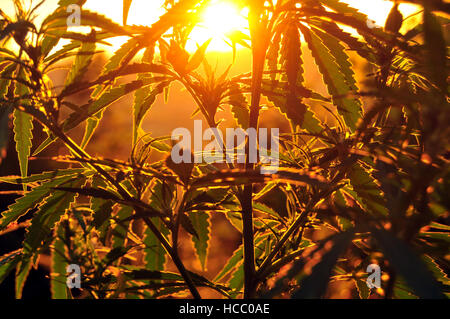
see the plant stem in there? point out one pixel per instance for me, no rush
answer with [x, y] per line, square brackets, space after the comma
[299, 221]
[124, 193]
[259, 49]
[176, 259]
[266, 263]
[279, 263]
[248, 239]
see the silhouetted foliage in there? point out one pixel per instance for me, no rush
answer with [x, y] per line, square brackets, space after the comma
[372, 187]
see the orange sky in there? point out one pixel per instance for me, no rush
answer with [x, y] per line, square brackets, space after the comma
[145, 12]
[219, 18]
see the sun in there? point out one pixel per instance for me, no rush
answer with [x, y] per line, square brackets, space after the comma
[221, 17]
[217, 20]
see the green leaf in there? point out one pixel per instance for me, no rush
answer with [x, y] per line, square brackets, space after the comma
[80, 66]
[293, 64]
[363, 290]
[200, 222]
[207, 199]
[439, 236]
[49, 42]
[237, 278]
[439, 226]
[239, 105]
[235, 259]
[314, 285]
[23, 126]
[368, 190]
[67, 50]
[408, 265]
[276, 200]
[5, 110]
[124, 53]
[291, 55]
[59, 265]
[22, 271]
[307, 120]
[48, 214]
[335, 80]
[161, 147]
[187, 225]
[141, 94]
[342, 59]
[353, 43]
[90, 192]
[144, 274]
[8, 262]
[91, 126]
[344, 223]
[30, 200]
[4, 75]
[88, 18]
[120, 231]
[63, 52]
[43, 176]
[437, 271]
[197, 58]
[108, 98]
[102, 209]
[39, 230]
[402, 291]
[90, 109]
[265, 209]
[142, 106]
[272, 55]
[154, 253]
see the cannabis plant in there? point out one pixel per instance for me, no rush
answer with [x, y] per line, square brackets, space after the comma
[370, 186]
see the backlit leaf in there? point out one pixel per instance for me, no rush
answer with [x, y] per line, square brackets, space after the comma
[23, 127]
[368, 189]
[58, 266]
[155, 254]
[30, 200]
[201, 224]
[8, 262]
[335, 80]
[47, 216]
[81, 63]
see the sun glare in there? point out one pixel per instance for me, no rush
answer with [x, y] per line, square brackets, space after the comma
[218, 18]
[222, 17]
